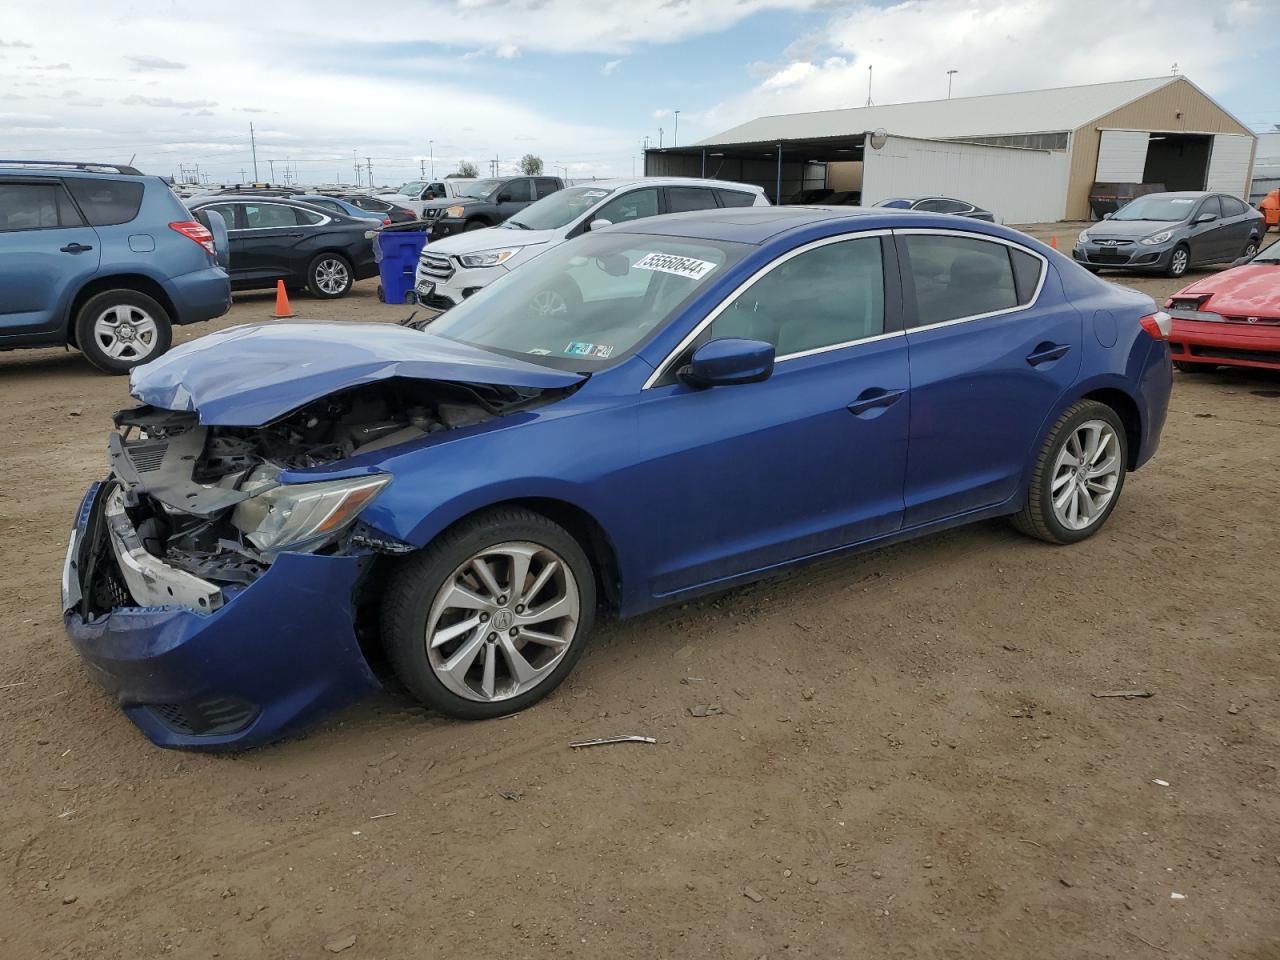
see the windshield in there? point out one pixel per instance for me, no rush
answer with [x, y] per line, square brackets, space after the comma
[1164, 209]
[478, 188]
[563, 206]
[412, 188]
[589, 303]
[1269, 255]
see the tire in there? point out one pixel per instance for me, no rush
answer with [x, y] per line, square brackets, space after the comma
[415, 602]
[1186, 367]
[1178, 264]
[1250, 248]
[142, 330]
[562, 298]
[1039, 517]
[329, 276]
[474, 225]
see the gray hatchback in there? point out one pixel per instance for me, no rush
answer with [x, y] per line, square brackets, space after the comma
[1169, 232]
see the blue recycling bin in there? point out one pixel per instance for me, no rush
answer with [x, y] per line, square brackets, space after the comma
[396, 248]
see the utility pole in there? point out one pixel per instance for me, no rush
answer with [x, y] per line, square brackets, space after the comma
[369, 161]
[272, 165]
[254, 146]
[869, 67]
[431, 157]
[659, 138]
[422, 168]
[355, 160]
[675, 133]
[950, 74]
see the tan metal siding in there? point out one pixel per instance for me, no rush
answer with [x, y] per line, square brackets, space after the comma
[1157, 111]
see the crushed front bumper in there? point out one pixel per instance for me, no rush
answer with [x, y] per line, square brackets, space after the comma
[272, 657]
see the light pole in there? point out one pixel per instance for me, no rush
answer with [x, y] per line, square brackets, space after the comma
[431, 154]
[675, 130]
[950, 74]
[659, 138]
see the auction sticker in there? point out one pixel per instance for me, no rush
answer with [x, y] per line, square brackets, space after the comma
[577, 348]
[680, 266]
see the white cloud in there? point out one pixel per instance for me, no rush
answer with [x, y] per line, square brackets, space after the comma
[508, 51]
[611, 67]
[998, 46]
[147, 62]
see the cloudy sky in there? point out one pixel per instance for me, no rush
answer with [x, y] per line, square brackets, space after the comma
[578, 82]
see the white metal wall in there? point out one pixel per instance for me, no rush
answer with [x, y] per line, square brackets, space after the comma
[1122, 156]
[1017, 185]
[1229, 164]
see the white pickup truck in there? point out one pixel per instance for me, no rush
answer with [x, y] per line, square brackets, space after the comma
[415, 193]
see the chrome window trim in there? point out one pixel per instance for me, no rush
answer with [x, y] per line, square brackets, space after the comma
[967, 235]
[663, 367]
[324, 218]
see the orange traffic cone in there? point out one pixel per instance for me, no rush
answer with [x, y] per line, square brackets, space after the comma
[1053, 241]
[282, 302]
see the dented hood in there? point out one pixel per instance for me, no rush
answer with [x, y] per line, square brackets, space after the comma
[247, 376]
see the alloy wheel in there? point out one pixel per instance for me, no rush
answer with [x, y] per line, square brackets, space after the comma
[1178, 262]
[548, 303]
[502, 621]
[332, 276]
[1250, 249]
[126, 332]
[1086, 473]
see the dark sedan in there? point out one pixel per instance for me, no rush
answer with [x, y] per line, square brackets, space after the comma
[959, 208]
[388, 211]
[1170, 232]
[272, 238]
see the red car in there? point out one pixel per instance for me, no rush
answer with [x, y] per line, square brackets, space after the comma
[1230, 318]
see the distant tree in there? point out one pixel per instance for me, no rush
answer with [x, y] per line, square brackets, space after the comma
[467, 169]
[530, 165]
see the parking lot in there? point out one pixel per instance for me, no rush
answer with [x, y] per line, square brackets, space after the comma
[896, 755]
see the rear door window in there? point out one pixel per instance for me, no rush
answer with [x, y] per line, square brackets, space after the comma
[546, 186]
[228, 211]
[683, 199]
[958, 277]
[736, 198]
[36, 206]
[1231, 207]
[106, 202]
[266, 215]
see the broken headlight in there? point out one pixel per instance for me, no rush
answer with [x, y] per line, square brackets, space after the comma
[295, 516]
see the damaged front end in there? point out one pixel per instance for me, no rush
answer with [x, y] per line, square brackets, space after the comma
[212, 582]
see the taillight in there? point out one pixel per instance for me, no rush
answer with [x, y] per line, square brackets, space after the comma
[1159, 325]
[196, 232]
[386, 221]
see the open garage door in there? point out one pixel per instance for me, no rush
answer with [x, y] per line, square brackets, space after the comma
[1122, 156]
[1229, 164]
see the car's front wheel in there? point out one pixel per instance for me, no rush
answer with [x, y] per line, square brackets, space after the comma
[1179, 260]
[491, 616]
[118, 329]
[1077, 477]
[329, 276]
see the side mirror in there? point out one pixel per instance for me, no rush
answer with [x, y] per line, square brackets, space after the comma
[1108, 216]
[504, 198]
[722, 363]
[1206, 218]
[599, 224]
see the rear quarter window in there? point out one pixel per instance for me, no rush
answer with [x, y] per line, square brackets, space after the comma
[107, 202]
[958, 277]
[736, 198]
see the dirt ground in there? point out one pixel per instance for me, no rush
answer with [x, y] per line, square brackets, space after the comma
[908, 761]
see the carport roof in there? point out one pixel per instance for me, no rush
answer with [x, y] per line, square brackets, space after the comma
[1002, 114]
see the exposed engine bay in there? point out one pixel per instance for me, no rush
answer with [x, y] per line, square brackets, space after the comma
[192, 508]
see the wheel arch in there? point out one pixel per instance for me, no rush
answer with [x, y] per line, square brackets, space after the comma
[136, 282]
[1127, 410]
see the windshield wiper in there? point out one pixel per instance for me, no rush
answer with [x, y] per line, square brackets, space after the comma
[518, 225]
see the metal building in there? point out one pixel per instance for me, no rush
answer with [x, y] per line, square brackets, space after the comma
[1029, 156]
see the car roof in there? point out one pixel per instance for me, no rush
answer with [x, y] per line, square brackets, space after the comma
[1179, 193]
[618, 183]
[756, 225]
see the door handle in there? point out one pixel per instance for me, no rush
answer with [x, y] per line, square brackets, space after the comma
[876, 398]
[76, 248]
[1046, 352]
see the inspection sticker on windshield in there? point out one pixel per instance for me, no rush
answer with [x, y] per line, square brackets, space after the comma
[680, 266]
[578, 348]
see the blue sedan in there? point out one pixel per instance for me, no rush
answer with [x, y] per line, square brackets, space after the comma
[647, 413]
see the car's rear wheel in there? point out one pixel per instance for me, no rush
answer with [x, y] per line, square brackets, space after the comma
[491, 616]
[329, 276]
[474, 225]
[118, 329]
[1179, 260]
[1250, 248]
[1077, 477]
